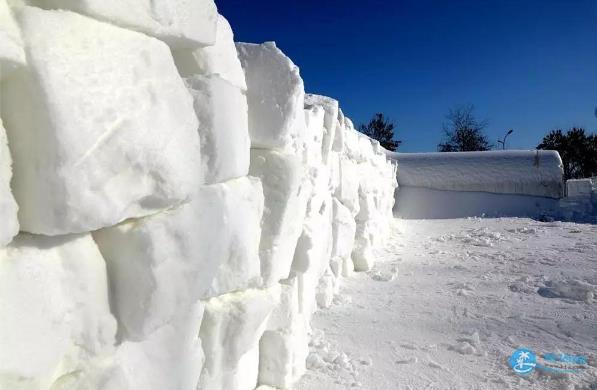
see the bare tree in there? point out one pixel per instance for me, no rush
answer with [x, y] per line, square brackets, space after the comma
[463, 132]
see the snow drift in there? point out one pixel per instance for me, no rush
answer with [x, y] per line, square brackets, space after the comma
[521, 172]
[183, 206]
[465, 184]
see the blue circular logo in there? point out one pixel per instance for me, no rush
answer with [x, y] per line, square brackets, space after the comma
[523, 361]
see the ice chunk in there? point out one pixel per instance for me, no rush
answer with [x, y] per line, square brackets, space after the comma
[330, 107]
[276, 96]
[208, 247]
[282, 357]
[230, 332]
[325, 290]
[222, 112]
[8, 207]
[11, 46]
[100, 125]
[54, 309]
[220, 59]
[285, 204]
[180, 23]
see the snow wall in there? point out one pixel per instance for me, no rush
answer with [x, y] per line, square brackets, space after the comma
[580, 203]
[173, 207]
[494, 183]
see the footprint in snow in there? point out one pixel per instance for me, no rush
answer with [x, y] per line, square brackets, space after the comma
[409, 346]
[384, 276]
[576, 290]
[410, 360]
[463, 348]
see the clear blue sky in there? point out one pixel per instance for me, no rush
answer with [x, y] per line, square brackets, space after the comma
[530, 65]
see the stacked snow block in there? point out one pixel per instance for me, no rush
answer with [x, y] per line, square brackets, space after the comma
[173, 206]
[326, 188]
[581, 199]
[275, 95]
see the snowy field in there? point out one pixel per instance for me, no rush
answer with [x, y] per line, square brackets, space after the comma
[450, 300]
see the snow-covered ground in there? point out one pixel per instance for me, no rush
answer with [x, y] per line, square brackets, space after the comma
[450, 300]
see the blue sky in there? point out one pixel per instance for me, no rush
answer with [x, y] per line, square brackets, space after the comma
[530, 65]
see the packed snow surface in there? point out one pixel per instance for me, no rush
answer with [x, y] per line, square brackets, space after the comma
[448, 302]
[523, 172]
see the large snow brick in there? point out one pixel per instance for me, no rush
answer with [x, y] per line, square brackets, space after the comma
[282, 357]
[348, 188]
[180, 23]
[230, 332]
[285, 204]
[160, 265]
[579, 188]
[100, 125]
[11, 46]
[284, 345]
[8, 207]
[343, 229]
[334, 170]
[220, 59]
[362, 253]
[372, 225]
[169, 359]
[286, 313]
[338, 145]
[330, 107]
[315, 243]
[222, 112]
[241, 267]
[314, 117]
[326, 288]
[365, 148]
[54, 310]
[276, 96]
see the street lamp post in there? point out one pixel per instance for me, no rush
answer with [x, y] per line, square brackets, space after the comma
[503, 142]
